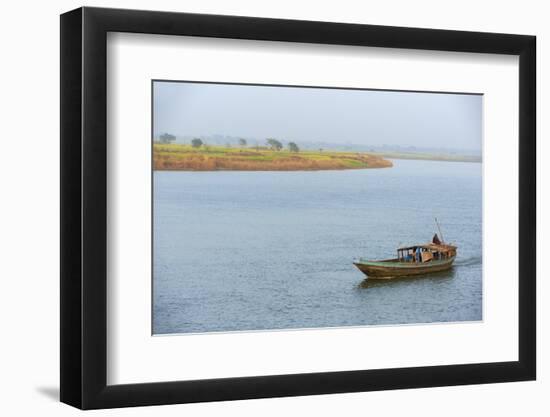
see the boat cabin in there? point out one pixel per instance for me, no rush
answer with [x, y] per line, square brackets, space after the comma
[425, 253]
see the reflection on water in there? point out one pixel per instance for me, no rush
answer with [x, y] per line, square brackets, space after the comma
[274, 250]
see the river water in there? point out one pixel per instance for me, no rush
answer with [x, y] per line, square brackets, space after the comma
[274, 250]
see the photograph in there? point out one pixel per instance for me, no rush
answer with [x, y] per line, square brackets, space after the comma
[300, 207]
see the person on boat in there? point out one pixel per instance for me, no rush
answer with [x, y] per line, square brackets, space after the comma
[436, 240]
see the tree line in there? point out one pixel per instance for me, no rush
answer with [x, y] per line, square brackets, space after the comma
[273, 143]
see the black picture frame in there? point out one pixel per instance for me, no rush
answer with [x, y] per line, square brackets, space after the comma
[84, 207]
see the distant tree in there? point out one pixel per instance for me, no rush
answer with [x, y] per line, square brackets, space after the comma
[292, 147]
[167, 138]
[242, 143]
[196, 143]
[320, 149]
[274, 144]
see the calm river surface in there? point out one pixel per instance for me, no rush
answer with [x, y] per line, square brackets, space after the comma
[274, 250]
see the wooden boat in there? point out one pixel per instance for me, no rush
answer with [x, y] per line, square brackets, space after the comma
[411, 260]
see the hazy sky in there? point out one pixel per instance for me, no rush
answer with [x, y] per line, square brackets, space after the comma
[320, 115]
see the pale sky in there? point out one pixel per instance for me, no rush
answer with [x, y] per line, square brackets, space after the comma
[336, 116]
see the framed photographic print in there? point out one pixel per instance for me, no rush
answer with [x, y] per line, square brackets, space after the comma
[257, 208]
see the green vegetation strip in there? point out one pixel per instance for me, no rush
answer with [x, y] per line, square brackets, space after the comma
[180, 157]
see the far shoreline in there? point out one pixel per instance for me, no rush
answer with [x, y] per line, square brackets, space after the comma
[429, 157]
[186, 158]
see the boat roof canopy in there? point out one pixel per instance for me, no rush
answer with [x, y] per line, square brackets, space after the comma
[430, 246]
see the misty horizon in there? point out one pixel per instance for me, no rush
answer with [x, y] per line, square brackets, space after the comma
[340, 117]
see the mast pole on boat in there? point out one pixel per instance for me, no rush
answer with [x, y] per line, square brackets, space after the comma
[439, 228]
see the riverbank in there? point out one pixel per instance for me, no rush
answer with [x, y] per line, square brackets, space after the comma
[177, 157]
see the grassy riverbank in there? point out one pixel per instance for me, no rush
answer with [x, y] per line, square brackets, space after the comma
[177, 157]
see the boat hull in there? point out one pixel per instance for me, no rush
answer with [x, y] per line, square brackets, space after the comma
[395, 269]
